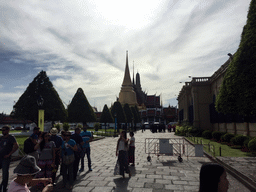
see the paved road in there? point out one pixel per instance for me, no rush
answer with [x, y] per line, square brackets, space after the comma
[165, 174]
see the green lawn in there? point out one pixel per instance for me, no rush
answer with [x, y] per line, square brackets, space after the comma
[226, 151]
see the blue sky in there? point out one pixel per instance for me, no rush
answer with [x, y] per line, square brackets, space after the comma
[83, 43]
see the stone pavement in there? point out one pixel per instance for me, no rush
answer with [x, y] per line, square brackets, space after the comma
[165, 174]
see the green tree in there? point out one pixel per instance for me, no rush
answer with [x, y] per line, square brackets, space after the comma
[117, 110]
[138, 114]
[238, 89]
[106, 116]
[79, 109]
[26, 107]
[135, 115]
[66, 126]
[128, 113]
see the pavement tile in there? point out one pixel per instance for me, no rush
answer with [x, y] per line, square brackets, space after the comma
[82, 189]
[142, 190]
[180, 182]
[97, 184]
[174, 187]
[102, 189]
[154, 185]
[154, 176]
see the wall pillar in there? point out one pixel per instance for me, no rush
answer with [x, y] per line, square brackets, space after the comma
[196, 121]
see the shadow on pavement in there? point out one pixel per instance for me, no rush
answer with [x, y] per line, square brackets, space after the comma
[121, 184]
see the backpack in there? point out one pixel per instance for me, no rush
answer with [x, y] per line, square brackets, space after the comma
[28, 146]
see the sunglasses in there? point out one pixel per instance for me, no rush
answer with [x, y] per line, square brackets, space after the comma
[67, 135]
[4, 129]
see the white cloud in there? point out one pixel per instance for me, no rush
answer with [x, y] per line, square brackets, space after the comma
[83, 43]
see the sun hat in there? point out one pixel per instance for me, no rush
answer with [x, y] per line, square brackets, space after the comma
[27, 166]
[54, 131]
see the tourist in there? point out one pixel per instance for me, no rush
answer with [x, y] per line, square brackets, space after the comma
[131, 149]
[8, 145]
[58, 142]
[46, 159]
[26, 170]
[213, 178]
[30, 144]
[67, 154]
[121, 152]
[29, 148]
[79, 143]
[87, 138]
[62, 134]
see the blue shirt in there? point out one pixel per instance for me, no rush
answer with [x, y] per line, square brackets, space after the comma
[86, 135]
[57, 140]
[34, 136]
[68, 150]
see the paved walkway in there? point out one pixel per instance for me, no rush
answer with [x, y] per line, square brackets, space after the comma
[164, 175]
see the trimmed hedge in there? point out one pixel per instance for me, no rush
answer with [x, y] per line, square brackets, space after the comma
[207, 134]
[217, 135]
[239, 140]
[227, 137]
[252, 145]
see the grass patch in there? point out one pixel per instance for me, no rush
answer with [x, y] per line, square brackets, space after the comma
[226, 151]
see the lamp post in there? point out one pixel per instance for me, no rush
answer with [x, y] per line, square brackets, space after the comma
[115, 124]
[132, 123]
[40, 102]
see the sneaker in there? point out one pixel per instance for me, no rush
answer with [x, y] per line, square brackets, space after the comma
[90, 169]
[81, 170]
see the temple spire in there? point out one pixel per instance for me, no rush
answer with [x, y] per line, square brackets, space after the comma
[127, 95]
[127, 77]
[133, 74]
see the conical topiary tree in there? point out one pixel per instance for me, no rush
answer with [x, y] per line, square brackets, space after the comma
[128, 113]
[79, 109]
[238, 89]
[106, 116]
[118, 112]
[27, 106]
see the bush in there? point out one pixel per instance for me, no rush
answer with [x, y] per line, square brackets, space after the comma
[252, 145]
[65, 126]
[227, 137]
[180, 130]
[96, 126]
[239, 140]
[207, 134]
[216, 135]
[57, 126]
[79, 126]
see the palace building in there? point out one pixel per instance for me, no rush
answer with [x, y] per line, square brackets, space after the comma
[150, 106]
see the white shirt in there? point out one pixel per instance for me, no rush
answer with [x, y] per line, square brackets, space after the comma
[133, 143]
[121, 146]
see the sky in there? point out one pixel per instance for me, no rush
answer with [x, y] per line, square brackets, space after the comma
[83, 44]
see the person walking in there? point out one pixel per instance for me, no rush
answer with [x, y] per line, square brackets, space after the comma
[87, 138]
[26, 170]
[79, 143]
[131, 149]
[68, 148]
[46, 159]
[121, 152]
[8, 145]
[58, 142]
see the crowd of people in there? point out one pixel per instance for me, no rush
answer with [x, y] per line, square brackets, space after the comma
[47, 150]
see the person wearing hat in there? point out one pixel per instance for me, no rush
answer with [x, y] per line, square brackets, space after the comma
[26, 170]
[58, 142]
